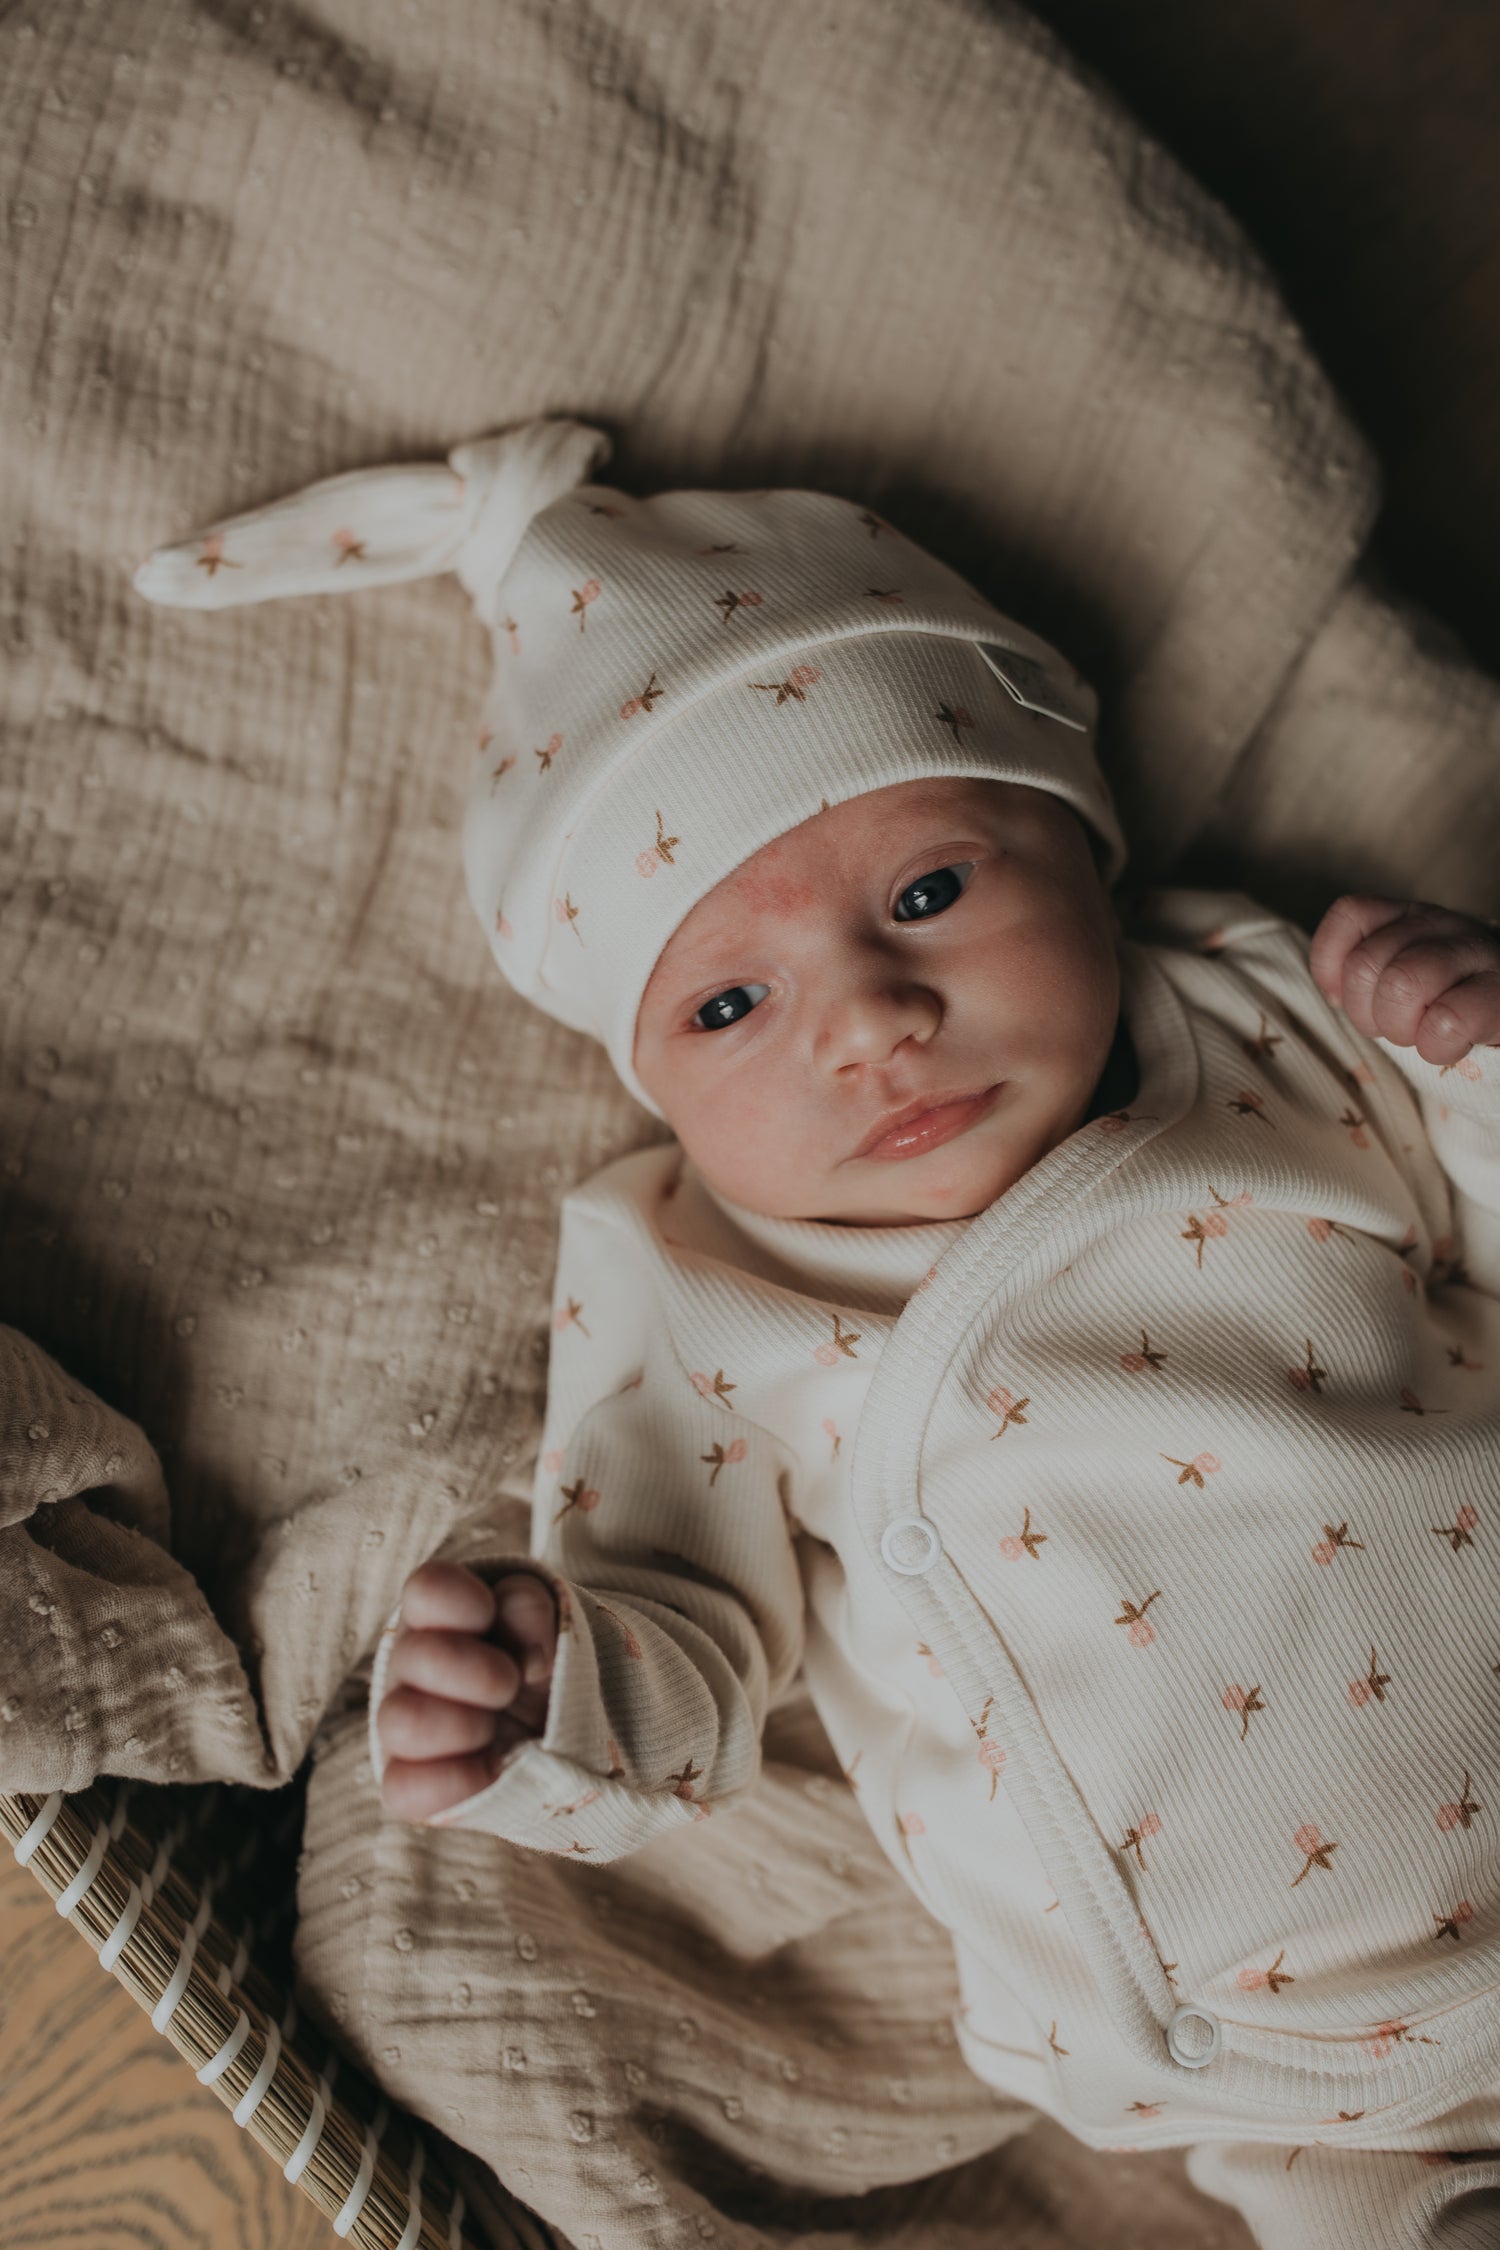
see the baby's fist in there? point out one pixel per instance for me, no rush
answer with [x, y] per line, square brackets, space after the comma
[468, 1680]
[1417, 975]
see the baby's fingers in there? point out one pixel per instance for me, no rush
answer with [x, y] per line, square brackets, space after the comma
[527, 1623]
[1466, 1015]
[415, 1725]
[428, 1788]
[1392, 980]
[457, 1666]
[446, 1596]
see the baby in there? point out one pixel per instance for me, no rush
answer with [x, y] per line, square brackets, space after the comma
[1073, 1348]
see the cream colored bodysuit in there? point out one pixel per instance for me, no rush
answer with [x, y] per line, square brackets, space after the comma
[1140, 1539]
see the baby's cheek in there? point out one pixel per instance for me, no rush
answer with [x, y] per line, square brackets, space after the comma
[744, 1138]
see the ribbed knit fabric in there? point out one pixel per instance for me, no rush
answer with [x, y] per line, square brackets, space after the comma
[1354, 2199]
[1139, 1541]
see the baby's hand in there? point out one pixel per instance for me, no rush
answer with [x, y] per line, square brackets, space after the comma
[468, 1680]
[1417, 975]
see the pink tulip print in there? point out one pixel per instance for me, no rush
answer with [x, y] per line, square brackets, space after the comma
[577, 1495]
[1314, 1849]
[955, 716]
[1309, 1377]
[1334, 1537]
[646, 861]
[1213, 1226]
[1140, 1631]
[1263, 1046]
[1262, 1980]
[794, 687]
[1393, 2033]
[1136, 1363]
[1244, 1700]
[715, 1386]
[991, 1756]
[1023, 1542]
[729, 602]
[1011, 1409]
[645, 701]
[1202, 1465]
[588, 592]
[1461, 1530]
[722, 1455]
[1145, 1828]
[1247, 1103]
[1371, 1688]
[842, 1346]
[212, 558]
[1461, 1813]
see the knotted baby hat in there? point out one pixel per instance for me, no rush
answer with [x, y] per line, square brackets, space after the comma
[677, 681]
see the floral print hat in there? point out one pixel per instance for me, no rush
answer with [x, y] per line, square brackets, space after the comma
[676, 681]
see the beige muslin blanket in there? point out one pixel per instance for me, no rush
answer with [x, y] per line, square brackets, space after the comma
[281, 1159]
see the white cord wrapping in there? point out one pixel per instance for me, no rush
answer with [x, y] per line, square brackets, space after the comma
[250, 2101]
[413, 2226]
[296, 2164]
[40, 1829]
[67, 1899]
[166, 2007]
[226, 2054]
[355, 2201]
[120, 1936]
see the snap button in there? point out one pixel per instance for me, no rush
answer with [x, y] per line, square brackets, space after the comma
[1193, 2037]
[911, 1545]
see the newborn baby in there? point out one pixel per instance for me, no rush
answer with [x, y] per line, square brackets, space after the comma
[905, 1062]
[1071, 1343]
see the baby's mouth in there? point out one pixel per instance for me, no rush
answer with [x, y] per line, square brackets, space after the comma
[919, 1128]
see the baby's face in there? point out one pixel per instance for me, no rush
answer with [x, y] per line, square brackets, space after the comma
[920, 943]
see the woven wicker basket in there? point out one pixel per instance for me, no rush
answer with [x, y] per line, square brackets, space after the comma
[170, 1887]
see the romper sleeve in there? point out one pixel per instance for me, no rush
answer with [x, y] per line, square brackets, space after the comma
[660, 1522]
[1458, 1103]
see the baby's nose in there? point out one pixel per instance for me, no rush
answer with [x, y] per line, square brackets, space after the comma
[869, 1022]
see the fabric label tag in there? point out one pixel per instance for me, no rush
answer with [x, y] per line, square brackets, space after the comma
[1033, 687]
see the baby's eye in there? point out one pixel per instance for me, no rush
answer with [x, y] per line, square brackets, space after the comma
[932, 893]
[729, 1007]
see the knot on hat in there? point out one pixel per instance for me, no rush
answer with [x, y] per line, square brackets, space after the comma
[373, 527]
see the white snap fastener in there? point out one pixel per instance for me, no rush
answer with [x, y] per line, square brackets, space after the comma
[1193, 2037]
[911, 1545]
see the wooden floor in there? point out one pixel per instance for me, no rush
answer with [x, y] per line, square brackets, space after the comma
[1357, 141]
[106, 2137]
